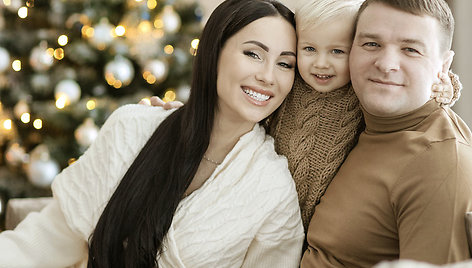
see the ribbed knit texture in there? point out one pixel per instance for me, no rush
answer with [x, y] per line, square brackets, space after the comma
[316, 131]
[245, 213]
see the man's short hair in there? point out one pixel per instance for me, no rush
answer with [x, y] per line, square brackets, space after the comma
[437, 9]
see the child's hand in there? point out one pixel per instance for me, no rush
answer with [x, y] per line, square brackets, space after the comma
[156, 101]
[447, 92]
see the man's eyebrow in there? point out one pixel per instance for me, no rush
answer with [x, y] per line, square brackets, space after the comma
[405, 41]
[264, 47]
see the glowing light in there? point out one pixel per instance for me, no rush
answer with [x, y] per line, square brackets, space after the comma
[7, 124]
[117, 84]
[169, 96]
[7, 2]
[62, 40]
[38, 123]
[59, 53]
[120, 30]
[91, 104]
[16, 65]
[151, 79]
[159, 24]
[169, 49]
[194, 43]
[25, 118]
[145, 26]
[50, 51]
[62, 101]
[71, 161]
[151, 4]
[23, 12]
[87, 31]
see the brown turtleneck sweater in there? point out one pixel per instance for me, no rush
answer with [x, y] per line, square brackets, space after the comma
[316, 131]
[401, 193]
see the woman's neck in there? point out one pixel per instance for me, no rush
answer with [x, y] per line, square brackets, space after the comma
[225, 134]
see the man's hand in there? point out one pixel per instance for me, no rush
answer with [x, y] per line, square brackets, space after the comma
[156, 101]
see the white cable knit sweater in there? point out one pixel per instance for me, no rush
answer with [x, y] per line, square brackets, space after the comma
[245, 215]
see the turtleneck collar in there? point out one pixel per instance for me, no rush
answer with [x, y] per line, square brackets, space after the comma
[377, 124]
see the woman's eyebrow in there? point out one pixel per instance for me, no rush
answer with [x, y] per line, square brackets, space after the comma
[264, 47]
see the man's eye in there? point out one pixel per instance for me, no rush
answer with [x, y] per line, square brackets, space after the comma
[412, 50]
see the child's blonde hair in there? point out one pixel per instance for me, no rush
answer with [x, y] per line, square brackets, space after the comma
[313, 12]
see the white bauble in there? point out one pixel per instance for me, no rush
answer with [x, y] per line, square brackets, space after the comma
[158, 68]
[86, 133]
[170, 19]
[4, 59]
[41, 170]
[41, 83]
[40, 59]
[14, 5]
[120, 69]
[68, 88]
[103, 33]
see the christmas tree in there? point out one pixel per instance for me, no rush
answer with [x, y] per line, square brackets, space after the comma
[66, 65]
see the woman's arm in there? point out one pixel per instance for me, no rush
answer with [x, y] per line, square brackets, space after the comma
[42, 239]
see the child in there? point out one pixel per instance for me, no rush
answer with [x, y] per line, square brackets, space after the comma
[320, 121]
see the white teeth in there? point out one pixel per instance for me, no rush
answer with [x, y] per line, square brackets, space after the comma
[323, 76]
[256, 95]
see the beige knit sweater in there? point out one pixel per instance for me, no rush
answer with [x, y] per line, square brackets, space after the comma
[316, 131]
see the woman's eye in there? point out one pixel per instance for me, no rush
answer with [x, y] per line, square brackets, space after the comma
[286, 65]
[251, 54]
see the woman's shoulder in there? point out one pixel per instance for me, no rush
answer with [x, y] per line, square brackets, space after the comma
[138, 112]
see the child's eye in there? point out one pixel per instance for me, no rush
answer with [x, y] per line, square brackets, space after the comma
[337, 51]
[251, 54]
[309, 49]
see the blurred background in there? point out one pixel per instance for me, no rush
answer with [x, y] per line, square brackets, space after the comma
[65, 65]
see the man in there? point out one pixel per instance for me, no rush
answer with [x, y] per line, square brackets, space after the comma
[403, 190]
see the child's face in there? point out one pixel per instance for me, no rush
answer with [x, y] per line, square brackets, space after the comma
[323, 54]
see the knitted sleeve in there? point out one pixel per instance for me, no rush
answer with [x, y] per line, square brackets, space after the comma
[316, 131]
[83, 189]
[278, 242]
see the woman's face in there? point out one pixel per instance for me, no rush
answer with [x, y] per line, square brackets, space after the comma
[256, 69]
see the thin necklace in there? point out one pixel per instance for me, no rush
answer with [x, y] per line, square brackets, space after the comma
[210, 160]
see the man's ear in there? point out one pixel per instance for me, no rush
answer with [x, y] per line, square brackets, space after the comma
[448, 57]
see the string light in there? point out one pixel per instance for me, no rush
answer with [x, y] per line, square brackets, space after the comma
[169, 96]
[7, 2]
[7, 124]
[168, 49]
[38, 123]
[151, 4]
[62, 40]
[16, 65]
[194, 46]
[23, 12]
[62, 101]
[25, 118]
[59, 53]
[146, 100]
[91, 104]
[120, 30]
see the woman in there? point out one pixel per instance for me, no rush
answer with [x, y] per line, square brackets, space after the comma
[207, 189]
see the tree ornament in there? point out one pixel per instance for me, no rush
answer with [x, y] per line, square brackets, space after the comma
[69, 90]
[14, 5]
[41, 170]
[41, 83]
[119, 72]
[40, 59]
[171, 20]
[159, 70]
[86, 133]
[4, 59]
[103, 34]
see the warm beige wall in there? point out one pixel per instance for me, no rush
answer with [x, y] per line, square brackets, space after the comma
[462, 46]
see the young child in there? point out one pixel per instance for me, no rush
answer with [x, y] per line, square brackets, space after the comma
[320, 120]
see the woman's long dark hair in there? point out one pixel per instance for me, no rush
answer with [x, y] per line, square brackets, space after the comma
[132, 227]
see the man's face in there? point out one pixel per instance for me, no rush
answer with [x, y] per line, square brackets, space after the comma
[395, 59]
